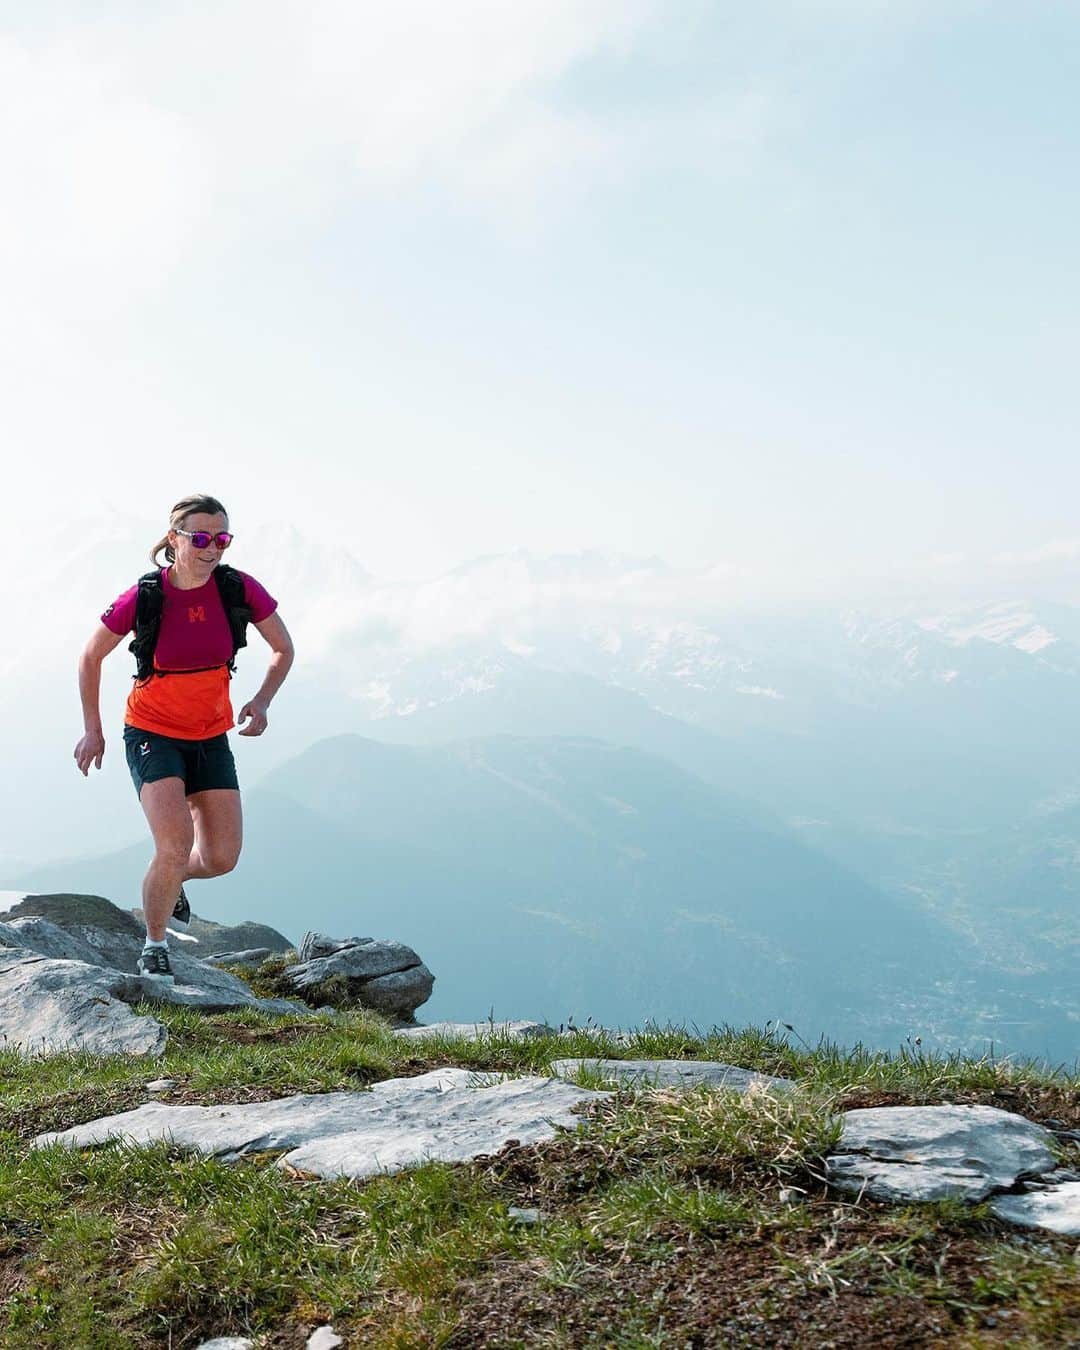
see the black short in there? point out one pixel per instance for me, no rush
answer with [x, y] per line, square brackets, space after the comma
[201, 764]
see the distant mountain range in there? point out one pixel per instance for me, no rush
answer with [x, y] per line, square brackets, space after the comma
[927, 750]
[565, 877]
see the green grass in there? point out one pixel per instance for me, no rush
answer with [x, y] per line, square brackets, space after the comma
[668, 1214]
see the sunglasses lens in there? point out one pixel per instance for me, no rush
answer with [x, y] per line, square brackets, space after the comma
[223, 540]
[200, 539]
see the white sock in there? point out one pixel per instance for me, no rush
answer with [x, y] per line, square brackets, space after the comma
[151, 943]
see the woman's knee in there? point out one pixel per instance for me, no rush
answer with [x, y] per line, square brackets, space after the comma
[220, 860]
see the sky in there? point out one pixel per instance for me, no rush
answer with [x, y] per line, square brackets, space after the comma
[778, 291]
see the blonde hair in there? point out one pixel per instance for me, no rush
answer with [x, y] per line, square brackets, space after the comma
[198, 503]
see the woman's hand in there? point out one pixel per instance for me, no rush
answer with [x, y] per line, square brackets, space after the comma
[89, 751]
[256, 710]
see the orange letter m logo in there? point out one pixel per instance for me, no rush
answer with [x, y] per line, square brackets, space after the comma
[196, 614]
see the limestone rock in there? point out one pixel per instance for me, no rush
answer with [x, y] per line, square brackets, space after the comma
[109, 931]
[449, 1114]
[384, 975]
[48, 1005]
[114, 942]
[679, 1073]
[932, 1152]
[313, 945]
[1055, 1207]
[398, 994]
[62, 989]
[36, 934]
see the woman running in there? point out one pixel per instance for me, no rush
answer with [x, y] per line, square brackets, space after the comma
[188, 618]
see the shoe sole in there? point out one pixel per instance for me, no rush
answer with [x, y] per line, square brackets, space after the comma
[179, 924]
[159, 979]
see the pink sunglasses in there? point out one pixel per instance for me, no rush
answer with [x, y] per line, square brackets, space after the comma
[201, 539]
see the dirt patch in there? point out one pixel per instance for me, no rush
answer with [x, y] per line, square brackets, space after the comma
[738, 1292]
[12, 1267]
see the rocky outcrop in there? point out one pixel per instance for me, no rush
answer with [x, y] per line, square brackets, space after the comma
[94, 947]
[385, 976]
[71, 988]
[110, 932]
[49, 1005]
[313, 945]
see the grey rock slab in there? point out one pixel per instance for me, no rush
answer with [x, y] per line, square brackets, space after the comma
[324, 1338]
[318, 944]
[475, 1031]
[1056, 1208]
[458, 1123]
[227, 1343]
[678, 1073]
[41, 935]
[918, 1153]
[48, 1005]
[451, 1114]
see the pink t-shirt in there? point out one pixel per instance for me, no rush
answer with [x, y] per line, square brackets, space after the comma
[194, 628]
[194, 634]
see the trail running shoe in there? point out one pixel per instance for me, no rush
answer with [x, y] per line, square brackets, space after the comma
[181, 915]
[155, 963]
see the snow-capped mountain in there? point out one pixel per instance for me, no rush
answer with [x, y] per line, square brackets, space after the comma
[720, 670]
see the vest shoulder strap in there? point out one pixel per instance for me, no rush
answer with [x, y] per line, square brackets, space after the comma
[230, 584]
[149, 603]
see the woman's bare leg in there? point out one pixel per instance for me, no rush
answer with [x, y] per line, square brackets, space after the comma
[218, 832]
[167, 813]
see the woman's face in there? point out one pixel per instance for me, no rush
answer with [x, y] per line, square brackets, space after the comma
[198, 559]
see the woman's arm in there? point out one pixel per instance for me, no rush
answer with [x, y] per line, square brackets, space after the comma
[92, 745]
[277, 635]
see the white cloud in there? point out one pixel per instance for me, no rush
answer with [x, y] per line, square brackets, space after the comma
[113, 136]
[102, 189]
[1056, 550]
